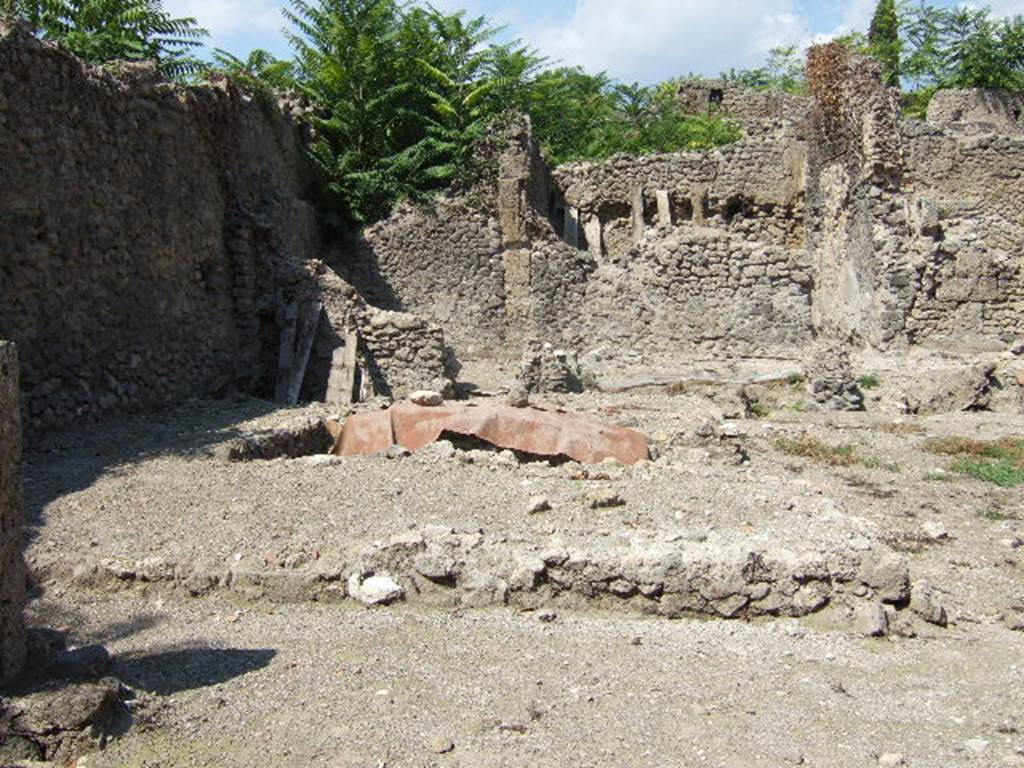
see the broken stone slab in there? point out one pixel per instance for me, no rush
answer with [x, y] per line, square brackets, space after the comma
[604, 498]
[925, 603]
[886, 573]
[695, 378]
[62, 723]
[871, 620]
[374, 589]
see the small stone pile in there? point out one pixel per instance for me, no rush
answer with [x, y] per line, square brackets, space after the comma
[546, 369]
[830, 378]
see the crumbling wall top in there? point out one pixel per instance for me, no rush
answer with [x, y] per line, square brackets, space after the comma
[710, 97]
[995, 111]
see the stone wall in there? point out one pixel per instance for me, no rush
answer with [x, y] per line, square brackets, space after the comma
[1000, 111]
[577, 257]
[158, 242]
[12, 568]
[839, 219]
[967, 197]
[915, 229]
[443, 261]
[701, 290]
[754, 188]
[720, 97]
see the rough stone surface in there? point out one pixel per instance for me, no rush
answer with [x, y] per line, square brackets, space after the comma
[426, 398]
[546, 369]
[830, 377]
[835, 218]
[965, 389]
[996, 111]
[925, 603]
[12, 569]
[159, 238]
[63, 722]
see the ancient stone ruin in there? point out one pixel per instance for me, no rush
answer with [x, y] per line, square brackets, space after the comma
[776, 386]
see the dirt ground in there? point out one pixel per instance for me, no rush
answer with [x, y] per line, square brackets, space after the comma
[219, 587]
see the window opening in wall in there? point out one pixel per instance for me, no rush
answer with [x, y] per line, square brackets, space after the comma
[715, 99]
[650, 211]
[682, 210]
[735, 207]
[1016, 115]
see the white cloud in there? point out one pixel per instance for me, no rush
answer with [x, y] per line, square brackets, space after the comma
[230, 18]
[1007, 7]
[645, 39]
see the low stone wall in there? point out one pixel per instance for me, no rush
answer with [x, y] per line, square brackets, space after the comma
[12, 568]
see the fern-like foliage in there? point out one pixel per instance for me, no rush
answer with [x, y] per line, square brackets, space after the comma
[101, 31]
[261, 74]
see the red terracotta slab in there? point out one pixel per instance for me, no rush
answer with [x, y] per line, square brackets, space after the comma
[534, 430]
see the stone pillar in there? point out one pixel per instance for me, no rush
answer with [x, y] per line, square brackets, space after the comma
[638, 215]
[664, 208]
[517, 265]
[572, 226]
[12, 520]
[697, 200]
[595, 236]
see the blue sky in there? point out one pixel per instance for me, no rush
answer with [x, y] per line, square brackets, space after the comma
[643, 40]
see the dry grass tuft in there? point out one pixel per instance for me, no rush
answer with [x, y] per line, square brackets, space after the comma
[809, 447]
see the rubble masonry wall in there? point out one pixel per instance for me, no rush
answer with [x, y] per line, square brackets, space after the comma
[12, 568]
[132, 252]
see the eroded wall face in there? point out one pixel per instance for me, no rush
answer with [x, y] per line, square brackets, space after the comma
[753, 189]
[137, 222]
[967, 195]
[12, 568]
[916, 230]
[444, 263]
[674, 253]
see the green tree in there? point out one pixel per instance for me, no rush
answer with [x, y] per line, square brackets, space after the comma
[577, 116]
[884, 40]
[100, 31]
[959, 48]
[783, 71]
[354, 62]
[403, 94]
[260, 73]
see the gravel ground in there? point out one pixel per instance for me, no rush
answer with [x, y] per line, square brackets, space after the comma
[316, 685]
[247, 680]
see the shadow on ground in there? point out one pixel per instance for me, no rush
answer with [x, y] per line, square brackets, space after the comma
[185, 669]
[70, 460]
